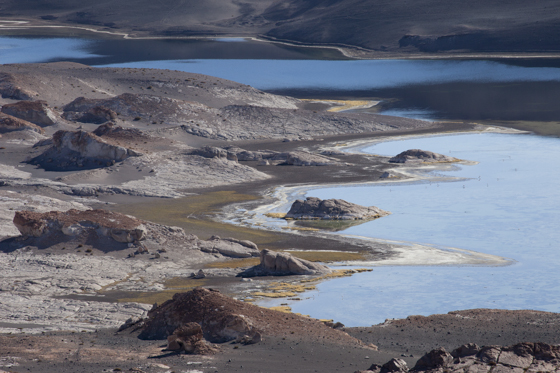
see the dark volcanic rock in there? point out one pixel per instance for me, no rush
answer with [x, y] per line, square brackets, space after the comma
[530, 357]
[332, 209]
[36, 112]
[281, 264]
[421, 156]
[81, 149]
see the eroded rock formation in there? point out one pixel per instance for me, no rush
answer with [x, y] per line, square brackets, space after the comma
[36, 112]
[421, 156]
[9, 123]
[119, 227]
[230, 247]
[81, 149]
[275, 263]
[332, 209]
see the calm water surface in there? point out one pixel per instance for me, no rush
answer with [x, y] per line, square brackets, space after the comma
[507, 205]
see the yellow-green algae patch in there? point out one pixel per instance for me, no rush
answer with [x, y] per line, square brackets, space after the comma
[286, 289]
[172, 286]
[192, 214]
[235, 263]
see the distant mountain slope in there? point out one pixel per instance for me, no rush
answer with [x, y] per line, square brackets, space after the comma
[382, 25]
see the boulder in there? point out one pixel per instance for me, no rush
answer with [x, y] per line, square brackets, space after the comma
[421, 156]
[468, 349]
[189, 338]
[332, 209]
[275, 263]
[9, 123]
[393, 366]
[438, 358]
[119, 227]
[229, 247]
[36, 112]
[81, 149]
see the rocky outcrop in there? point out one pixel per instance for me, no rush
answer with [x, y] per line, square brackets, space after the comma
[229, 247]
[275, 263]
[529, 357]
[214, 152]
[79, 150]
[421, 156]
[119, 227]
[36, 112]
[332, 209]
[300, 158]
[9, 88]
[112, 131]
[9, 123]
[95, 114]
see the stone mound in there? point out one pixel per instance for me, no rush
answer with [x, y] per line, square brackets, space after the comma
[281, 264]
[214, 152]
[421, 156]
[9, 123]
[81, 150]
[119, 227]
[36, 112]
[223, 319]
[522, 357]
[332, 209]
[229, 247]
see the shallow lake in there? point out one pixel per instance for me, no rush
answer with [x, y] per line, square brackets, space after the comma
[507, 205]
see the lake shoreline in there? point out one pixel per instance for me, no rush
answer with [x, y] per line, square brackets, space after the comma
[29, 27]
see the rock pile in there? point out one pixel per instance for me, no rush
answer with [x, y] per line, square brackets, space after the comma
[332, 209]
[36, 112]
[522, 357]
[80, 149]
[281, 264]
[421, 156]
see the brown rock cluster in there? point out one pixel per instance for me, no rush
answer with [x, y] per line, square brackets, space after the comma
[470, 358]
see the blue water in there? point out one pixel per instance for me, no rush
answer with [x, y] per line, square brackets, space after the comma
[353, 75]
[507, 205]
[26, 50]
